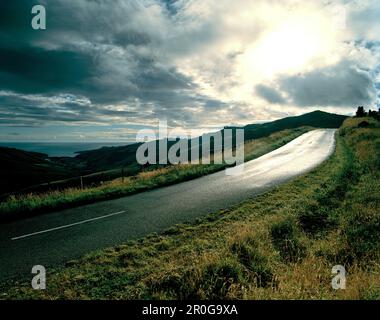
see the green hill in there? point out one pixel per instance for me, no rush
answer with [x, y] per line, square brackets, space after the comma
[317, 119]
[21, 169]
[116, 157]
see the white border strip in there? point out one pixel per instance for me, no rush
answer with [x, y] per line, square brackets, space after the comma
[66, 226]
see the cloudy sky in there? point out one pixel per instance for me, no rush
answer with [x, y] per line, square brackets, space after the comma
[105, 68]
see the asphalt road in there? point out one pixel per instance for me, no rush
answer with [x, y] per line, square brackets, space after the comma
[55, 238]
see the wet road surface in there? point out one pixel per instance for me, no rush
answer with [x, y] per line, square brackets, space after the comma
[55, 238]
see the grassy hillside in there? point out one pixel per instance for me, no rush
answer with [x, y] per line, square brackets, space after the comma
[16, 207]
[117, 157]
[19, 169]
[108, 157]
[317, 119]
[281, 245]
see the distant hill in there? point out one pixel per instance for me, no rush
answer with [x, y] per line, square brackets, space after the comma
[20, 169]
[317, 119]
[116, 157]
[108, 157]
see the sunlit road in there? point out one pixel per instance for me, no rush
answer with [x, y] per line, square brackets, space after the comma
[55, 238]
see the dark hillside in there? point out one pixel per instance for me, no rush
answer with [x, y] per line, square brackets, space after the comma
[19, 169]
[317, 119]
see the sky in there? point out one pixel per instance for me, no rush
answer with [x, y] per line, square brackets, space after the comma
[104, 69]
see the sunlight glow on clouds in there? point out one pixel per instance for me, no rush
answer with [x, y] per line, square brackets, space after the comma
[200, 64]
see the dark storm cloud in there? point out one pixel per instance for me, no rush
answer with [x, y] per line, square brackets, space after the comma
[90, 48]
[103, 21]
[341, 85]
[269, 94]
[15, 20]
[35, 70]
[29, 68]
[160, 78]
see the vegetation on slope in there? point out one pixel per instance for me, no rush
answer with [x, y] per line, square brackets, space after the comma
[108, 163]
[317, 119]
[281, 245]
[21, 206]
[117, 157]
[19, 169]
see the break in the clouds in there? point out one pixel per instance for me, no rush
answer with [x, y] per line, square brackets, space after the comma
[200, 64]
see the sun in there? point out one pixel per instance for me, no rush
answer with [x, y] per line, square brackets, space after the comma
[289, 47]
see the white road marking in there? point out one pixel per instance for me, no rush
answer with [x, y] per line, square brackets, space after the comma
[66, 226]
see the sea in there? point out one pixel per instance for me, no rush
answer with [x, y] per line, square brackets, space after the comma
[60, 149]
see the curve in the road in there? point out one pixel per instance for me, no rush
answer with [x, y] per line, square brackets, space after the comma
[58, 237]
